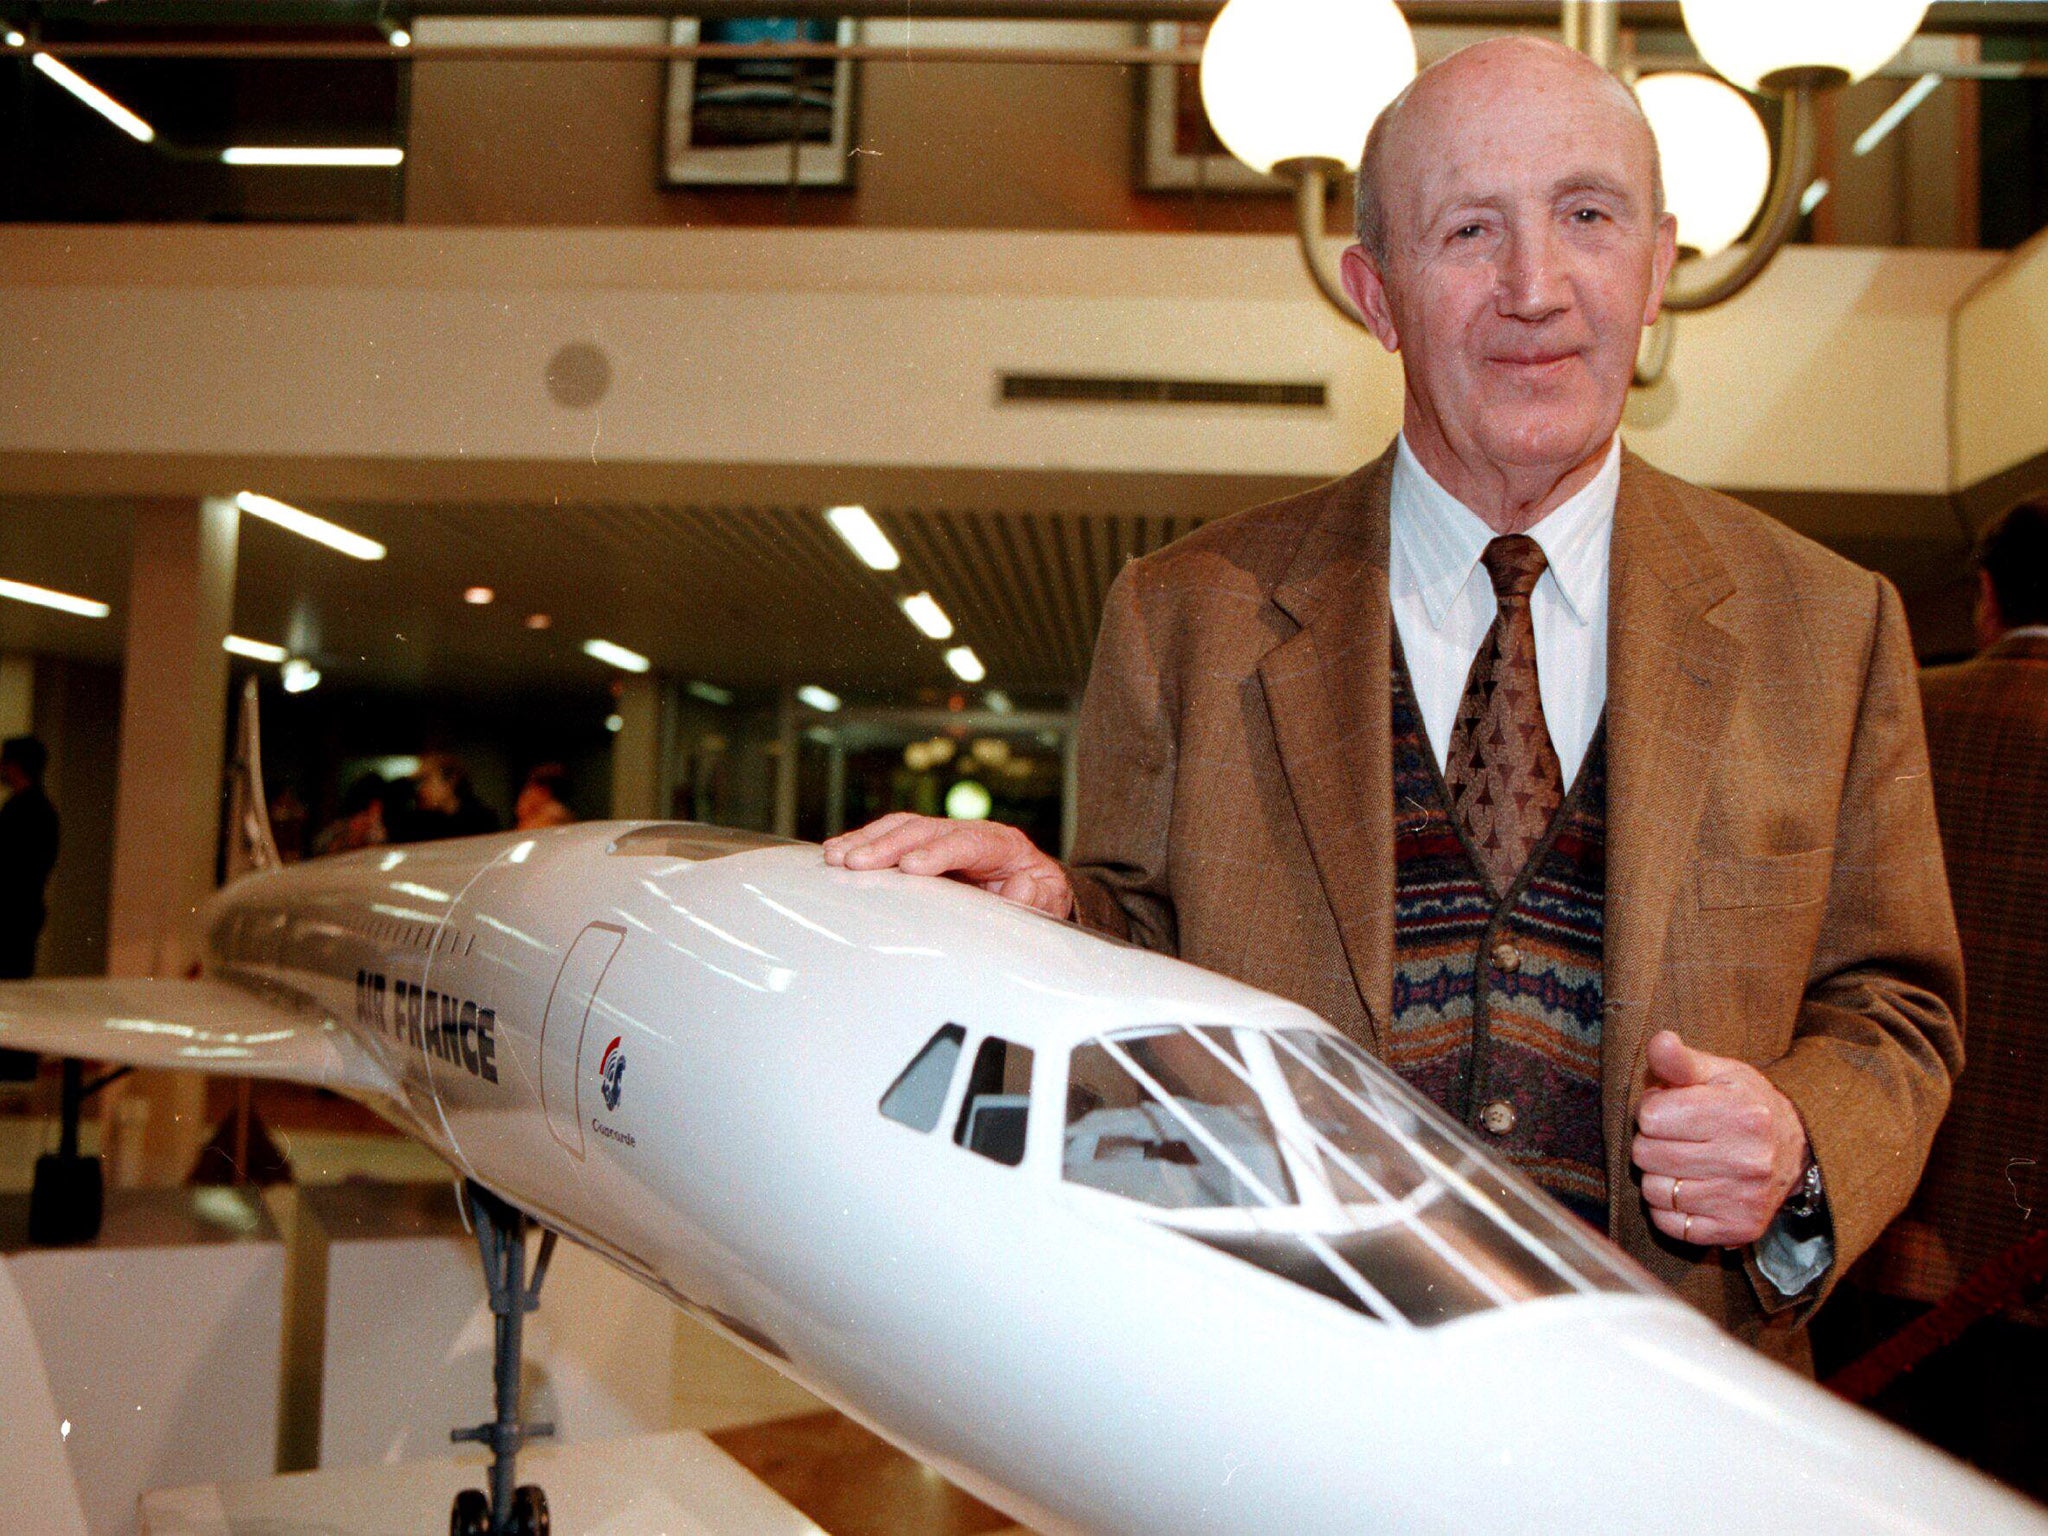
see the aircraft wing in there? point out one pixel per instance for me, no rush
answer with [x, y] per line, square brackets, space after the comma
[193, 1026]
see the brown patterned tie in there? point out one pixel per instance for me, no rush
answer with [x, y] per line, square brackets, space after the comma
[1501, 770]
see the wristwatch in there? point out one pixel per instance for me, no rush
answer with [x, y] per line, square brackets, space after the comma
[1807, 1195]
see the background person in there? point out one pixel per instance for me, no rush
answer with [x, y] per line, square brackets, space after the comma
[444, 804]
[28, 852]
[361, 822]
[1985, 1397]
[540, 802]
[1673, 936]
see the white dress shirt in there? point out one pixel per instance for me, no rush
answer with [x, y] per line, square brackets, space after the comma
[1443, 605]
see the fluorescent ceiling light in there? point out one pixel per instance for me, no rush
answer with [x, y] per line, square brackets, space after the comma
[300, 675]
[965, 664]
[1896, 113]
[615, 723]
[818, 698]
[286, 154]
[63, 602]
[476, 597]
[15, 39]
[998, 701]
[616, 655]
[400, 38]
[255, 650]
[1810, 198]
[307, 526]
[867, 539]
[924, 611]
[95, 98]
[710, 693]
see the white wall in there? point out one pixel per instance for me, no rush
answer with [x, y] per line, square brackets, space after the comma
[2001, 363]
[176, 359]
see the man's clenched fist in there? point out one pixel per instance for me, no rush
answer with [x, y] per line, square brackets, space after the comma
[1719, 1146]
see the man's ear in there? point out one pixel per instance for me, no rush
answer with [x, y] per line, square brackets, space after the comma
[1367, 291]
[1662, 260]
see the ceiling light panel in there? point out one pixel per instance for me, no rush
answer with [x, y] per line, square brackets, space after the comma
[616, 656]
[307, 526]
[865, 537]
[95, 98]
[255, 650]
[287, 154]
[924, 611]
[965, 664]
[822, 699]
[63, 602]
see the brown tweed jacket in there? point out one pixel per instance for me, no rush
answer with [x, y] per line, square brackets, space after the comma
[1775, 888]
[1987, 1182]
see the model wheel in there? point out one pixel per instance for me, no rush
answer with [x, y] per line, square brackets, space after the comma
[530, 1511]
[471, 1515]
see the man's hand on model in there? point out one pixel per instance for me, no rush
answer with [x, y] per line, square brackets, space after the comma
[1719, 1146]
[984, 853]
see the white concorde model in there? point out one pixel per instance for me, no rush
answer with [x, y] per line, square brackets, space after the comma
[1116, 1243]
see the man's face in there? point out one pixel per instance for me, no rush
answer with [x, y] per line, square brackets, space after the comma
[1524, 257]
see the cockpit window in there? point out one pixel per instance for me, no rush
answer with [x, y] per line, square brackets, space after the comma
[1296, 1152]
[918, 1096]
[995, 1111]
[1214, 1148]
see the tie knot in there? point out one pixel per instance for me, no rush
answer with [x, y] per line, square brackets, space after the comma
[1515, 562]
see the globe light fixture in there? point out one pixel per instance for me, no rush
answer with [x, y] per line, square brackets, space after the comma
[1293, 87]
[1716, 156]
[1303, 79]
[1760, 44]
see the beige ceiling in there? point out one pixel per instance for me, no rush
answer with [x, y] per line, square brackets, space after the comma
[743, 596]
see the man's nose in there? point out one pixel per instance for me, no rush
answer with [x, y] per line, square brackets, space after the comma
[1531, 283]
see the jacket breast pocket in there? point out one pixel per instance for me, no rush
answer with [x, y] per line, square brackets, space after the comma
[1765, 880]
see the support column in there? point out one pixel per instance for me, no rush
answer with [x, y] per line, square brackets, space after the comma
[785, 765]
[17, 695]
[835, 787]
[637, 787]
[181, 591]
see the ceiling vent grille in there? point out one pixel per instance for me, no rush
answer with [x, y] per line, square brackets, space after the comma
[1073, 389]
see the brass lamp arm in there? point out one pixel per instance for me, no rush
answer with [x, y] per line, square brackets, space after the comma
[1311, 178]
[1781, 212]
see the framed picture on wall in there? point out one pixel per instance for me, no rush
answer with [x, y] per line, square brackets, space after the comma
[1178, 151]
[759, 122]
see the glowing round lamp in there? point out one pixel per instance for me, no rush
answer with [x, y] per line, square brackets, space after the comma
[1716, 155]
[1303, 79]
[969, 801]
[1750, 41]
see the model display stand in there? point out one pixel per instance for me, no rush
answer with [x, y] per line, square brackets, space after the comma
[40, 1496]
[162, 1339]
[601, 1357]
[637, 1486]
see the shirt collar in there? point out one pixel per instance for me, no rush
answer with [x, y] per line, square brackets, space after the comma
[1442, 539]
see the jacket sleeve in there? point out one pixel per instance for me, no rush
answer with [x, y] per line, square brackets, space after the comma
[1128, 754]
[1879, 1034]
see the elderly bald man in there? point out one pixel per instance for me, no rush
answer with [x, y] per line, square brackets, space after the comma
[1594, 802]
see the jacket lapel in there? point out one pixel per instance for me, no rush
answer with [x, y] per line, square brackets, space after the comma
[1673, 674]
[1327, 693]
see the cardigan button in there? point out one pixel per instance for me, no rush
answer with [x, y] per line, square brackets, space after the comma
[1506, 957]
[1498, 1117]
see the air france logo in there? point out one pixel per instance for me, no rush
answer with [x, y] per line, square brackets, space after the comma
[611, 1074]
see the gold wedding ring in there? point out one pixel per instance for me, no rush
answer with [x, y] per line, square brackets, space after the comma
[1688, 1229]
[1674, 1192]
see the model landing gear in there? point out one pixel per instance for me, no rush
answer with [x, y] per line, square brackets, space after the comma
[66, 1201]
[507, 1510]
